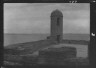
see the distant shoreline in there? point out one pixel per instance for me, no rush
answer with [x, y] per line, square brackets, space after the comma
[10, 39]
[49, 33]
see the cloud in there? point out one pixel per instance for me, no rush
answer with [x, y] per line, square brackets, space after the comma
[35, 17]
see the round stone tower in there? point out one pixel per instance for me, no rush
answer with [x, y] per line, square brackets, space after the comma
[57, 25]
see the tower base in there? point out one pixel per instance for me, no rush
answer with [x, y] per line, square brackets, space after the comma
[57, 38]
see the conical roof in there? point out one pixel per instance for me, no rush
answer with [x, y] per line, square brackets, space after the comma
[56, 13]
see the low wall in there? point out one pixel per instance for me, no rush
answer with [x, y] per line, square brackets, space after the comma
[83, 42]
[56, 55]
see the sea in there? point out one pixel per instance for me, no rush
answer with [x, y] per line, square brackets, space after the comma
[82, 50]
[21, 38]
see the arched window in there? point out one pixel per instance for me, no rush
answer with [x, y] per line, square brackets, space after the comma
[58, 21]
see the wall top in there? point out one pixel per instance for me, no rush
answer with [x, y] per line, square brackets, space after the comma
[56, 13]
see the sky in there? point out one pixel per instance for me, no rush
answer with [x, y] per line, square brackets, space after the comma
[30, 18]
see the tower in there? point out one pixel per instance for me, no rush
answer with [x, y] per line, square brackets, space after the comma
[56, 25]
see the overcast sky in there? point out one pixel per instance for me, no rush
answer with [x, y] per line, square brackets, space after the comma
[31, 18]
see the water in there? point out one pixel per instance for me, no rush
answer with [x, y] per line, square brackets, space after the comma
[21, 38]
[82, 50]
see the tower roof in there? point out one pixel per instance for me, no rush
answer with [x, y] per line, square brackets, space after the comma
[56, 13]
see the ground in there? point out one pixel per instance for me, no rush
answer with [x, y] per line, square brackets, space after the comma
[27, 53]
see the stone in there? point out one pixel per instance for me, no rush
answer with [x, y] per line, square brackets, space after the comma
[56, 26]
[56, 55]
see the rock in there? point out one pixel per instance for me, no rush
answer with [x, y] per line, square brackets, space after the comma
[13, 58]
[56, 55]
[10, 63]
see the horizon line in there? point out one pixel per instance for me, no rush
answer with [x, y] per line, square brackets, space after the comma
[45, 33]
